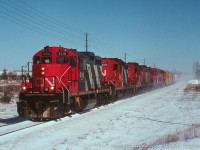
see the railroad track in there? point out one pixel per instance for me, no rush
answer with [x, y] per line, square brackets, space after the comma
[10, 121]
[8, 129]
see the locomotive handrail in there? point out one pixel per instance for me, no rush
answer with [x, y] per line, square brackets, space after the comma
[112, 82]
[65, 85]
[63, 75]
[23, 70]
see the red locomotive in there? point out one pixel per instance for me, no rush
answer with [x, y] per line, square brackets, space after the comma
[65, 81]
[145, 76]
[115, 77]
[134, 78]
[157, 77]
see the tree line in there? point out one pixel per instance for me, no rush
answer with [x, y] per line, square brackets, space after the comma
[12, 75]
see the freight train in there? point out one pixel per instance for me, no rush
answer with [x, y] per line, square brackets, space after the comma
[65, 81]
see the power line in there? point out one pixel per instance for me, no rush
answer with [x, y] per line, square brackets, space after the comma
[31, 27]
[48, 18]
[40, 25]
[36, 20]
[34, 26]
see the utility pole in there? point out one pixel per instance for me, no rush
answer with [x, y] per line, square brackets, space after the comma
[144, 61]
[125, 57]
[86, 40]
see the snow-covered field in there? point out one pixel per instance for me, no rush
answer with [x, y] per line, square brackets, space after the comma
[7, 111]
[134, 123]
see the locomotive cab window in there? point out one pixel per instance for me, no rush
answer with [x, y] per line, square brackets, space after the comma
[98, 62]
[136, 70]
[73, 61]
[82, 64]
[36, 60]
[46, 60]
[115, 67]
[61, 60]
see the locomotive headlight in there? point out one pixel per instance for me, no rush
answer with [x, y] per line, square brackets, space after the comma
[46, 89]
[24, 88]
[42, 72]
[52, 88]
[42, 68]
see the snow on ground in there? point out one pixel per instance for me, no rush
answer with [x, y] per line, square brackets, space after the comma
[125, 124]
[8, 111]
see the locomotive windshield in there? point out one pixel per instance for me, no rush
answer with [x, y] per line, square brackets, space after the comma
[46, 60]
[115, 67]
[73, 61]
[61, 60]
[36, 60]
[136, 70]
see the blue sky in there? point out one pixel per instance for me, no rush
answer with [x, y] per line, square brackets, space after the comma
[163, 32]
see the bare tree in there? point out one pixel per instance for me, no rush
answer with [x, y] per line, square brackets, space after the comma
[4, 75]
